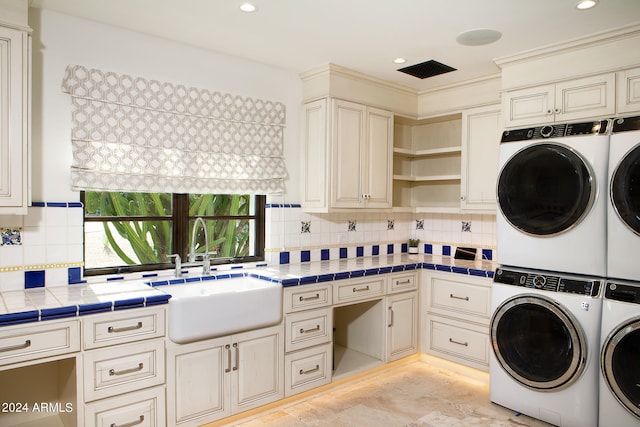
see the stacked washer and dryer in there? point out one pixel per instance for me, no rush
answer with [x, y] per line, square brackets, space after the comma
[547, 293]
[620, 334]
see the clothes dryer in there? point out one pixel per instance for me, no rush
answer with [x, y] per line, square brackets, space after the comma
[545, 339]
[552, 188]
[623, 207]
[620, 355]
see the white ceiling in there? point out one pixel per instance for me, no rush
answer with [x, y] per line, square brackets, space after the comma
[363, 35]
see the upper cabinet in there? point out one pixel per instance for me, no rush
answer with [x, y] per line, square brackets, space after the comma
[15, 111]
[589, 97]
[347, 156]
[628, 88]
[481, 130]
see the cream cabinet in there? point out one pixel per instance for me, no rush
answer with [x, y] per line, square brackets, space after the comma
[585, 98]
[455, 316]
[628, 88]
[15, 117]
[347, 156]
[402, 325]
[212, 379]
[308, 336]
[481, 129]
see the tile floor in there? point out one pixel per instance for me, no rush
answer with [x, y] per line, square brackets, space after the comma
[414, 394]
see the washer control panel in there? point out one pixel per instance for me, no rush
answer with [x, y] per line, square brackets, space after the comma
[559, 130]
[548, 282]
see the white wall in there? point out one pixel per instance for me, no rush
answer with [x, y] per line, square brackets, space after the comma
[59, 40]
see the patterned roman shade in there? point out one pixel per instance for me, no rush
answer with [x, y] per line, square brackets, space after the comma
[133, 134]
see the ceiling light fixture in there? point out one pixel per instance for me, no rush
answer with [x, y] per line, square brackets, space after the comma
[399, 61]
[248, 7]
[586, 4]
[478, 37]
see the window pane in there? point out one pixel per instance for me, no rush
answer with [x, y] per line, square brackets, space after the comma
[220, 205]
[227, 238]
[102, 203]
[117, 243]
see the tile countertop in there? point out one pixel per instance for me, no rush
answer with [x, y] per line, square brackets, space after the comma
[33, 305]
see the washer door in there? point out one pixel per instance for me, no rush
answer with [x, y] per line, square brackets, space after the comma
[619, 364]
[625, 190]
[538, 342]
[545, 189]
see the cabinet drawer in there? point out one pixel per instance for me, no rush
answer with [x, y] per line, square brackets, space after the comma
[308, 328]
[456, 340]
[123, 327]
[356, 290]
[403, 283]
[122, 369]
[41, 339]
[307, 296]
[307, 369]
[460, 299]
[140, 409]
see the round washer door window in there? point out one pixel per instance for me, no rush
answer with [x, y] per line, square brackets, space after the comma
[625, 190]
[619, 364]
[538, 343]
[545, 189]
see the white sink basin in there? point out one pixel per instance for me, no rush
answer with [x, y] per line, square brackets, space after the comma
[214, 308]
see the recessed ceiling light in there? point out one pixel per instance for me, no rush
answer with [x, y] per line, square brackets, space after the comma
[586, 4]
[399, 61]
[478, 37]
[248, 7]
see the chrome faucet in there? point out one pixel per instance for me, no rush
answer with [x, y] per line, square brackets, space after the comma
[206, 260]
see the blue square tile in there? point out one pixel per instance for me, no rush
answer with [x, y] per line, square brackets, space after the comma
[284, 257]
[428, 248]
[404, 247]
[343, 252]
[34, 279]
[360, 251]
[324, 254]
[74, 275]
[305, 256]
[446, 250]
[487, 254]
[375, 250]
[390, 248]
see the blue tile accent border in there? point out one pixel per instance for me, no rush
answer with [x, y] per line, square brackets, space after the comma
[34, 279]
[324, 255]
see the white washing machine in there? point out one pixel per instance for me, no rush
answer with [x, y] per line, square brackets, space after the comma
[623, 208]
[620, 355]
[545, 338]
[552, 197]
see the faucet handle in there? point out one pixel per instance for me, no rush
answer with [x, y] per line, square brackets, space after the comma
[178, 271]
[176, 256]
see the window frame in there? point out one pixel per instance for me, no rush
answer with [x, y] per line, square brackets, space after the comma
[180, 234]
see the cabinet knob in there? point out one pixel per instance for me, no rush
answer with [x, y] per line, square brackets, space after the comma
[557, 111]
[549, 111]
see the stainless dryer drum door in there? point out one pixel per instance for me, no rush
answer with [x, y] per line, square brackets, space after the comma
[538, 342]
[620, 367]
[545, 189]
[625, 190]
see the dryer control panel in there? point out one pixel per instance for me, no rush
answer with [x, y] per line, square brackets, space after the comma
[548, 282]
[600, 127]
[622, 292]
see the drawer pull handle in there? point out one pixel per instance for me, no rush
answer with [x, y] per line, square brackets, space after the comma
[26, 344]
[306, 331]
[456, 297]
[404, 282]
[228, 348]
[131, 424]
[366, 288]
[112, 330]
[452, 341]
[113, 372]
[390, 317]
[237, 349]
[309, 371]
[316, 296]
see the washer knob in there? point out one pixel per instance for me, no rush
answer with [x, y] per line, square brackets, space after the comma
[539, 281]
[546, 131]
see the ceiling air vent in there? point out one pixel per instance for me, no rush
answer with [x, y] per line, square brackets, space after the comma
[426, 69]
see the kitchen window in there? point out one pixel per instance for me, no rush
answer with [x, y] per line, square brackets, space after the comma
[130, 231]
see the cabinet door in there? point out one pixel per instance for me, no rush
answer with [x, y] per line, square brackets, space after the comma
[348, 148]
[257, 373]
[481, 129]
[529, 106]
[628, 87]
[14, 120]
[584, 98]
[379, 159]
[198, 382]
[315, 156]
[402, 325]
